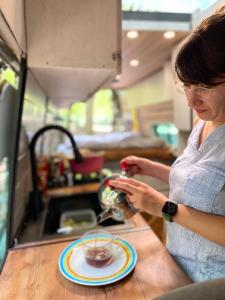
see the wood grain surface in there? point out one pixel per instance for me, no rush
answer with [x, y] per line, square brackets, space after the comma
[161, 153]
[32, 273]
[73, 190]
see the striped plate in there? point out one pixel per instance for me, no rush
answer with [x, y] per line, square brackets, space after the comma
[73, 266]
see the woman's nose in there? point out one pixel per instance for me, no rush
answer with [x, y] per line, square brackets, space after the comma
[193, 100]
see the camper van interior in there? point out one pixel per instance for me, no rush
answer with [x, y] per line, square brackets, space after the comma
[84, 84]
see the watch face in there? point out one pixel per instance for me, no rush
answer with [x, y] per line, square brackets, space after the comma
[170, 208]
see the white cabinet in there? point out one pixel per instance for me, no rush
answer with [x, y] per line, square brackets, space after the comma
[73, 46]
[73, 33]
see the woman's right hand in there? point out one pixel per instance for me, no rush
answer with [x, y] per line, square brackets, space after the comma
[135, 165]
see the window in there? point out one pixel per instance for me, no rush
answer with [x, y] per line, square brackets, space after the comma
[78, 117]
[177, 6]
[4, 196]
[103, 112]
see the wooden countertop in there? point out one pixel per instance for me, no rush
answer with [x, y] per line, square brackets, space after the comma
[73, 190]
[162, 153]
[32, 273]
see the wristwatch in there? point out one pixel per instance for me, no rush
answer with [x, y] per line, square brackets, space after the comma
[169, 210]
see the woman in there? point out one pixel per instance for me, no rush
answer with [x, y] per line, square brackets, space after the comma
[195, 210]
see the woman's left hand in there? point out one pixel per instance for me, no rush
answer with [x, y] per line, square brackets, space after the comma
[141, 195]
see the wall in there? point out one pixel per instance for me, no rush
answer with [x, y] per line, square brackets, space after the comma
[159, 88]
[33, 115]
[37, 113]
[154, 89]
[33, 118]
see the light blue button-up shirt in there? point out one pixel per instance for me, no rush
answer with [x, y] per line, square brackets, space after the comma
[197, 179]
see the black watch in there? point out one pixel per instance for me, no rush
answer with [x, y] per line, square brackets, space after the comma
[169, 210]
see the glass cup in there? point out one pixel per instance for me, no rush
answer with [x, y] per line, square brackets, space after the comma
[97, 247]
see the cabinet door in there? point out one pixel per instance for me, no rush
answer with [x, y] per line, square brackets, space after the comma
[73, 33]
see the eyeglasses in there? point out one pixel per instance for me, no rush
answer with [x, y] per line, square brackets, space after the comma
[200, 91]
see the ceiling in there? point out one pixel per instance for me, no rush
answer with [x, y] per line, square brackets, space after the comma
[151, 49]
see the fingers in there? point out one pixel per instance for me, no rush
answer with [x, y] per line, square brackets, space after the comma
[131, 181]
[136, 165]
[132, 170]
[127, 180]
[130, 164]
[130, 160]
[131, 199]
[127, 185]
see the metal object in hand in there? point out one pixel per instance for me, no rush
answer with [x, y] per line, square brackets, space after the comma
[114, 202]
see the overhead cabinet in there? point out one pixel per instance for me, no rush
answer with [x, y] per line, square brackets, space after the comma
[72, 33]
[73, 47]
[66, 39]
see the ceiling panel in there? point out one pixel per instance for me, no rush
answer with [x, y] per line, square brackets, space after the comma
[151, 49]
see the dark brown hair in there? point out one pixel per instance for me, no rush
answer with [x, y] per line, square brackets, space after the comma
[201, 59]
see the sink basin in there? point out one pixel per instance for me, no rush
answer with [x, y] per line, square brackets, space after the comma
[59, 205]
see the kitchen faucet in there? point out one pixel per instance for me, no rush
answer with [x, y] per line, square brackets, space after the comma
[35, 201]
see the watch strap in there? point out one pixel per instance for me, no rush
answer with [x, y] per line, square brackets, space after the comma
[167, 217]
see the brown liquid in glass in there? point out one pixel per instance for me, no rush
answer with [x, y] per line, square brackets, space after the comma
[98, 257]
